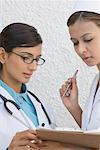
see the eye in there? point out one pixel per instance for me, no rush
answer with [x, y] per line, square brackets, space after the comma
[25, 58]
[88, 40]
[75, 43]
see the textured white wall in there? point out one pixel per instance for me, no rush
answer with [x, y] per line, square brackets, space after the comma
[49, 17]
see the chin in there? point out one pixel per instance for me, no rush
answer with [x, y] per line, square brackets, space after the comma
[90, 64]
[25, 81]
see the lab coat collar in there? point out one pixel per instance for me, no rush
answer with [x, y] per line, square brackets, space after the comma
[89, 104]
[5, 94]
[40, 113]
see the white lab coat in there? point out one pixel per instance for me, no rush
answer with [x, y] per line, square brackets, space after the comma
[9, 125]
[91, 114]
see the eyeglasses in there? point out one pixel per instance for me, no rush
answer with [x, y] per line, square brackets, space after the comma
[29, 59]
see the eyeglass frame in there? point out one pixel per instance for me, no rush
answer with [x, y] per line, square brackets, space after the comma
[23, 58]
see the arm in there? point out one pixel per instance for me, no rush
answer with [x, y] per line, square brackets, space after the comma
[76, 112]
[71, 101]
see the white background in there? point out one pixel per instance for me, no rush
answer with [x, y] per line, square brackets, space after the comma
[50, 17]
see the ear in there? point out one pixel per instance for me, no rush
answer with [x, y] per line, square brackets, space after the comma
[2, 55]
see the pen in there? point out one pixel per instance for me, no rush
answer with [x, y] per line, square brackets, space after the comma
[66, 93]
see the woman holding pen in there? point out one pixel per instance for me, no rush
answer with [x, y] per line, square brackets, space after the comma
[84, 29]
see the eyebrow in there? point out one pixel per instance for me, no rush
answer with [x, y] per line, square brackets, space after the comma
[86, 34]
[29, 54]
[81, 36]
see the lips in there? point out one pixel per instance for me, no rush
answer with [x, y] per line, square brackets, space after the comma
[27, 75]
[86, 58]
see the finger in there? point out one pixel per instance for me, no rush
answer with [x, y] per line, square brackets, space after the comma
[68, 81]
[24, 142]
[37, 141]
[31, 131]
[35, 146]
[61, 92]
[63, 87]
[27, 144]
[27, 147]
[68, 93]
[28, 134]
[21, 142]
[74, 84]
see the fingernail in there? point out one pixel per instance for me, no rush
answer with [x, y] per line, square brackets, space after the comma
[33, 141]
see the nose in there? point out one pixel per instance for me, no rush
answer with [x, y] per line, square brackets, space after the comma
[33, 66]
[81, 49]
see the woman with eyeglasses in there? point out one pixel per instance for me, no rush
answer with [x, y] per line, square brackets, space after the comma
[21, 112]
[20, 54]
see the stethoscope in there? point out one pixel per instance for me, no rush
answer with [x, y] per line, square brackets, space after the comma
[27, 124]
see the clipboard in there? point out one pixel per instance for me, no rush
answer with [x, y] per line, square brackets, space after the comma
[80, 138]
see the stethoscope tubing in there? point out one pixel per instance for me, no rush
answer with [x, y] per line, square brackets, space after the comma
[6, 101]
[27, 124]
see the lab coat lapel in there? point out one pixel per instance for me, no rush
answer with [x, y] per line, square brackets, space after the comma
[5, 94]
[14, 110]
[89, 104]
[40, 113]
[97, 97]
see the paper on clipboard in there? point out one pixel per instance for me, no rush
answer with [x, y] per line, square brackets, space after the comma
[80, 138]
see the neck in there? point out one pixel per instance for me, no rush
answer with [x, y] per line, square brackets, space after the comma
[12, 83]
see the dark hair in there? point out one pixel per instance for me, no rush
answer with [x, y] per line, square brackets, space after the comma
[19, 35]
[84, 15]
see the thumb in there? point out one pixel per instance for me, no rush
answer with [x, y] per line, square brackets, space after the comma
[74, 84]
